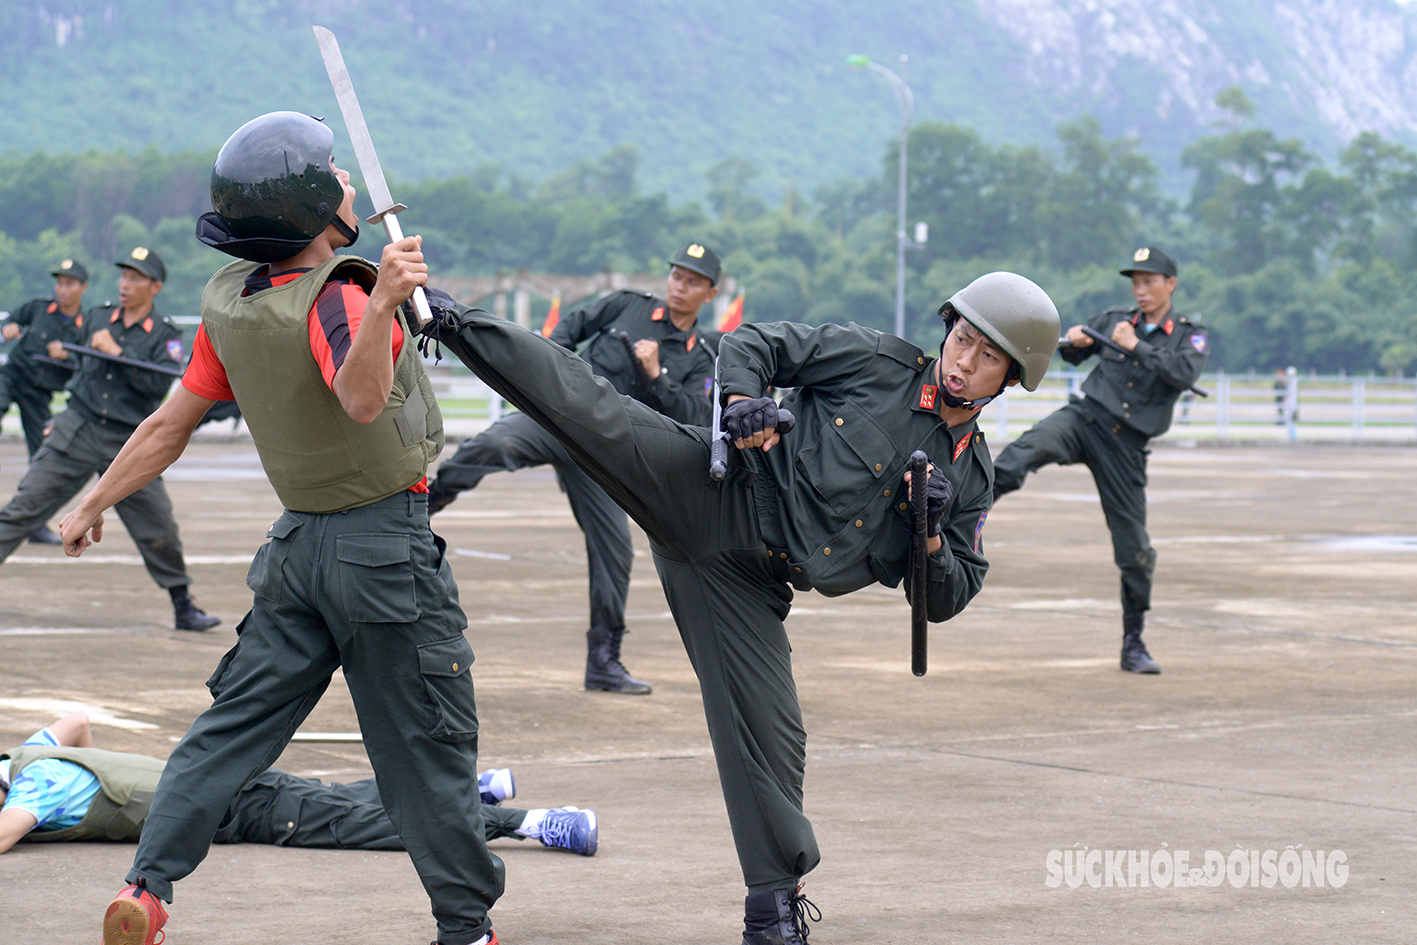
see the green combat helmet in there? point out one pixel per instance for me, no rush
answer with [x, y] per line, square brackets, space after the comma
[273, 189]
[1015, 314]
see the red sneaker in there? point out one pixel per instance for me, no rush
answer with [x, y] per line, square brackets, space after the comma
[134, 917]
[492, 940]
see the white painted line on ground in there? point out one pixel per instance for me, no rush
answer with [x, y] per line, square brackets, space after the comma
[472, 553]
[130, 559]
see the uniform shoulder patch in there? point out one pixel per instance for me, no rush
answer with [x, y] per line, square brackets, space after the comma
[898, 349]
[1199, 343]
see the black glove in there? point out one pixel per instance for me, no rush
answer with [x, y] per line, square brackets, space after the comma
[743, 418]
[938, 493]
[440, 302]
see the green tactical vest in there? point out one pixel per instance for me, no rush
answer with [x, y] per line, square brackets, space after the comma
[127, 783]
[318, 459]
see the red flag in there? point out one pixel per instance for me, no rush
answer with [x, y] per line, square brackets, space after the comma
[732, 316]
[552, 317]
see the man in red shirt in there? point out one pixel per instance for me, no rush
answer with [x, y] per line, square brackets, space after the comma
[311, 346]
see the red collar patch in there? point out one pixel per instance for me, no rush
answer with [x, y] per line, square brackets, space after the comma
[960, 447]
[114, 317]
[53, 307]
[657, 315]
[693, 340]
[927, 396]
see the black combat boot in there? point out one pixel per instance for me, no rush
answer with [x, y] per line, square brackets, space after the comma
[604, 671]
[1135, 658]
[186, 614]
[778, 918]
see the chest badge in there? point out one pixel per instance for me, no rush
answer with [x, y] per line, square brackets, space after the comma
[927, 396]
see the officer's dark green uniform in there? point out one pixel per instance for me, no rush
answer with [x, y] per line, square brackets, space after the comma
[30, 384]
[107, 401]
[517, 442]
[1128, 400]
[274, 807]
[823, 510]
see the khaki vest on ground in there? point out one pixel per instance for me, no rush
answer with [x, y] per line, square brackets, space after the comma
[317, 458]
[121, 805]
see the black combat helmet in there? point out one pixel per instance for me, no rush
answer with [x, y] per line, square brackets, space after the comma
[273, 190]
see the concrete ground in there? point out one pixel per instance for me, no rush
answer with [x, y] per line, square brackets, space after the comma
[960, 807]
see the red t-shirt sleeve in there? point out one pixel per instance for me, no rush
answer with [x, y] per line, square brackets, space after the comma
[334, 321]
[206, 375]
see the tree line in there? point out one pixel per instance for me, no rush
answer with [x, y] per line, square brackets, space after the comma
[1289, 261]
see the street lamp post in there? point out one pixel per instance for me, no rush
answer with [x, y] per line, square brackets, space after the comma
[902, 242]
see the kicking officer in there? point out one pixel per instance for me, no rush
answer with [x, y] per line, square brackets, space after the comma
[826, 510]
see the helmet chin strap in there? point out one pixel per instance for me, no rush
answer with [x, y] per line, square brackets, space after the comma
[351, 234]
[956, 403]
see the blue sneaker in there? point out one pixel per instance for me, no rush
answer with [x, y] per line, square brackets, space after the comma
[496, 785]
[570, 828]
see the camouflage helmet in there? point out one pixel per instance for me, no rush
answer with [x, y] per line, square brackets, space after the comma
[1016, 315]
[273, 190]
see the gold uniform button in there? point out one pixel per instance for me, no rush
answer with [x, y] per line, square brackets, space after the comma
[290, 825]
[782, 554]
[903, 506]
[826, 551]
[919, 360]
[839, 421]
[859, 523]
[887, 493]
[878, 467]
[455, 667]
[798, 570]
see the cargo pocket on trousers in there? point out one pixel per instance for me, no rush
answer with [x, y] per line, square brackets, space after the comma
[265, 575]
[376, 578]
[216, 682]
[447, 676]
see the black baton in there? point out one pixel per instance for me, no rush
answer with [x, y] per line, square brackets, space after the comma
[1106, 342]
[46, 359]
[718, 447]
[919, 559]
[171, 369]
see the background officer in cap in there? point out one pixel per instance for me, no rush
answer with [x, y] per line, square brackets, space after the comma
[107, 401]
[1129, 399]
[42, 325]
[824, 508]
[648, 348]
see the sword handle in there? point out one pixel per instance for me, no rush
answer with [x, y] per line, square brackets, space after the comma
[420, 301]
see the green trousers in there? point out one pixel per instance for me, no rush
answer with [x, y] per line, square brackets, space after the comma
[79, 448]
[291, 811]
[366, 590]
[728, 600]
[516, 442]
[33, 401]
[1116, 456]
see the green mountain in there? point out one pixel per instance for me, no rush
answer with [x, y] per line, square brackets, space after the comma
[448, 85]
